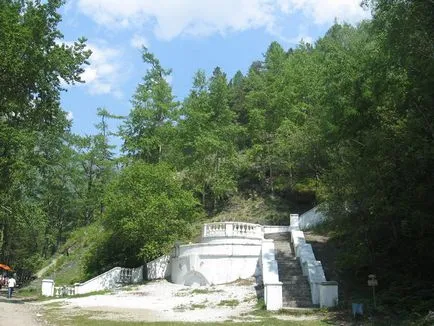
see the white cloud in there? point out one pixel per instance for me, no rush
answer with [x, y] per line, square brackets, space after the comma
[324, 12]
[172, 18]
[103, 74]
[138, 41]
[69, 116]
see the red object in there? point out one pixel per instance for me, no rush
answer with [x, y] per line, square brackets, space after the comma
[5, 267]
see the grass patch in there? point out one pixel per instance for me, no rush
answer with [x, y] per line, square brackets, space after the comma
[229, 303]
[260, 305]
[193, 306]
[102, 292]
[198, 306]
[254, 209]
[251, 298]
[68, 268]
[86, 320]
[205, 291]
[129, 288]
[27, 292]
[301, 312]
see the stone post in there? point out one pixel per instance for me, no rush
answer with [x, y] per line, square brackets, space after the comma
[47, 288]
[77, 288]
[328, 294]
[229, 231]
[294, 221]
[273, 296]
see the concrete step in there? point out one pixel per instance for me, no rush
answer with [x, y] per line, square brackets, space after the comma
[300, 298]
[284, 236]
[288, 261]
[296, 294]
[295, 279]
[297, 304]
[289, 270]
[295, 287]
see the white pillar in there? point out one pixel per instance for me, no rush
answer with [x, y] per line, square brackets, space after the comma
[328, 294]
[294, 221]
[273, 296]
[77, 288]
[229, 229]
[48, 288]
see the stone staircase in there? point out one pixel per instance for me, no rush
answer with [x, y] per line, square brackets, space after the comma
[295, 287]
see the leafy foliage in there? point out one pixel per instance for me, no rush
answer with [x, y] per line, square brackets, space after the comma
[33, 62]
[146, 212]
[347, 121]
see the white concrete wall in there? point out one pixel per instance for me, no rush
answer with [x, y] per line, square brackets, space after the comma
[310, 266]
[105, 281]
[270, 276]
[311, 218]
[101, 282]
[316, 276]
[269, 229]
[228, 248]
[158, 268]
[305, 254]
[269, 268]
[298, 239]
[137, 275]
[214, 263]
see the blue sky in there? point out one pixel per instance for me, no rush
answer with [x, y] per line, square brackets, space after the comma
[186, 35]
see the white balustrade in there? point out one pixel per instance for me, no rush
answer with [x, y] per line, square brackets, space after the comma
[313, 269]
[232, 229]
[63, 291]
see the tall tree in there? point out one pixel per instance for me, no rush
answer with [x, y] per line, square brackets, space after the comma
[147, 210]
[149, 129]
[209, 126]
[33, 62]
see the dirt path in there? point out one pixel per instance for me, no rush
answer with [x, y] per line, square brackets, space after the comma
[17, 312]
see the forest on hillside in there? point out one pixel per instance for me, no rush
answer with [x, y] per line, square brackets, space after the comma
[346, 122]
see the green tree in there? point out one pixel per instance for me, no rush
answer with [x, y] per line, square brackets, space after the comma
[149, 129]
[147, 210]
[382, 155]
[209, 129]
[32, 65]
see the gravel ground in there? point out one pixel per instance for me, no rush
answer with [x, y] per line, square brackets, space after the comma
[164, 301]
[18, 313]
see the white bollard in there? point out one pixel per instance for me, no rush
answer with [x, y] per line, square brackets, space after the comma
[48, 288]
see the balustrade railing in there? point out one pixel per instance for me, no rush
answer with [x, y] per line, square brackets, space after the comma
[126, 275]
[232, 229]
[63, 291]
[215, 230]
